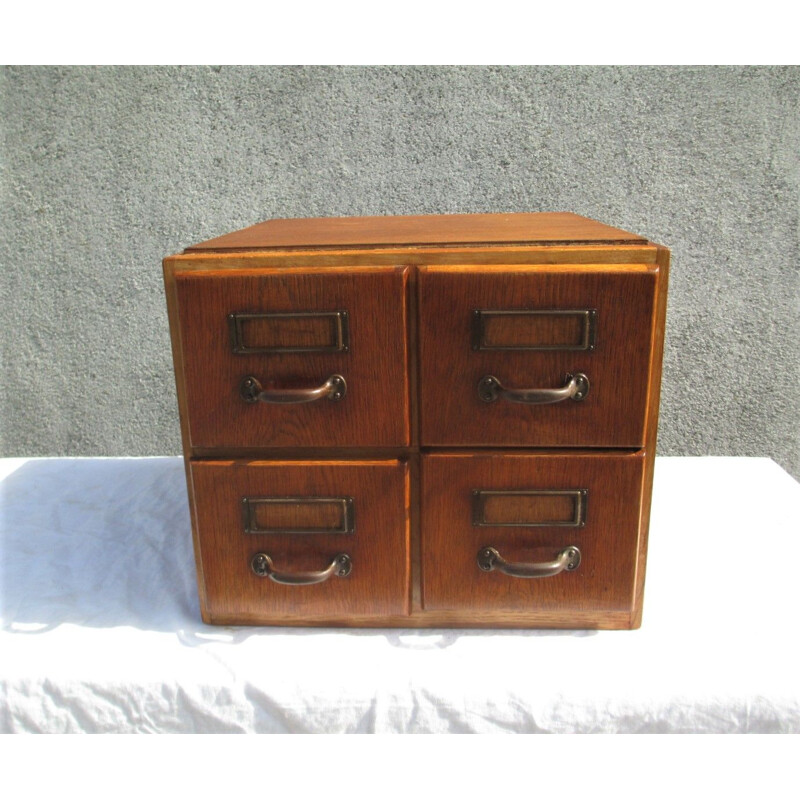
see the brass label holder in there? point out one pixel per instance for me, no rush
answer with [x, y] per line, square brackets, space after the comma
[483, 318]
[482, 498]
[339, 322]
[341, 506]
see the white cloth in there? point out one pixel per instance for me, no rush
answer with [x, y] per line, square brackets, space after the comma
[100, 628]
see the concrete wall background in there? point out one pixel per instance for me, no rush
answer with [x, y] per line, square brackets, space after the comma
[104, 171]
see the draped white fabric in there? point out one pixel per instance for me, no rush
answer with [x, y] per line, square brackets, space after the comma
[100, 628]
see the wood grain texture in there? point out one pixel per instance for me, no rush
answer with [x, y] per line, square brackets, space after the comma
[415, 256]
[180, 385]
[533, 619]
[653, 407]
[451, 229]
[613, 413]
[379, 583]
[452, 580]
[375, 410]
[210, 467]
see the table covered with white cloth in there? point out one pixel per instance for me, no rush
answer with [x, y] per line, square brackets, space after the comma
[100, 629]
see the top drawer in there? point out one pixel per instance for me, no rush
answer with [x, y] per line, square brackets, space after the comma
[294, 357]
[536, 356]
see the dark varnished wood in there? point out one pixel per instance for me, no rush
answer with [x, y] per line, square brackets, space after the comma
[379, 547]
[653, 406]
[552, 227]
[613, 413]
[375, 410]
[410, 247]
[604, 581]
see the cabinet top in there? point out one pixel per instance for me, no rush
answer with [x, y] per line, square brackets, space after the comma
[557, 228]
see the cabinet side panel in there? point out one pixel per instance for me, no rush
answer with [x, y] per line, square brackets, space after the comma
[651, 432]
[169, 266]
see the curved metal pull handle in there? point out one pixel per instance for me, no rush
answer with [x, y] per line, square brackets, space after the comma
[576, 388]
[251, 391]
[568, 559]
[261, 564]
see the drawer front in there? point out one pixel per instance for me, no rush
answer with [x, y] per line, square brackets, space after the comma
[492, 523]
[295, 357]
[535, 356]
[266, 530]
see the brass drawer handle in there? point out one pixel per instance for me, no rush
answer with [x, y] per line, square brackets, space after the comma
[568, 559]
[576, 388]
[261, 564]
[251, 391]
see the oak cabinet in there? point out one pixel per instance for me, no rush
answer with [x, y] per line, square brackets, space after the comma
[420, 421]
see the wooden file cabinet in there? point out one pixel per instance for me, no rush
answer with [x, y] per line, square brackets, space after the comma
[420, 421]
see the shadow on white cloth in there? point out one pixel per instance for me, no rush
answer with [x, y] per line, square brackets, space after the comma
[99, 542]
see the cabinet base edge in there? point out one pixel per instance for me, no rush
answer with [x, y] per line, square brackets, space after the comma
[596, 621]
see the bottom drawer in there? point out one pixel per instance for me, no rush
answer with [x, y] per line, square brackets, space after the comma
[530, 533]
[301, 539]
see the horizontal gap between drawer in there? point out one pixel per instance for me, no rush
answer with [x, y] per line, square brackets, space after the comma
[372, 453]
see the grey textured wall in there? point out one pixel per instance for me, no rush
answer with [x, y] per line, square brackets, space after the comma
[105, 171]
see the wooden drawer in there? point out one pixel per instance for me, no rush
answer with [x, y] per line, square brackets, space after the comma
[530, 509]
[531, 327]
[304, 516]
[248, 336]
